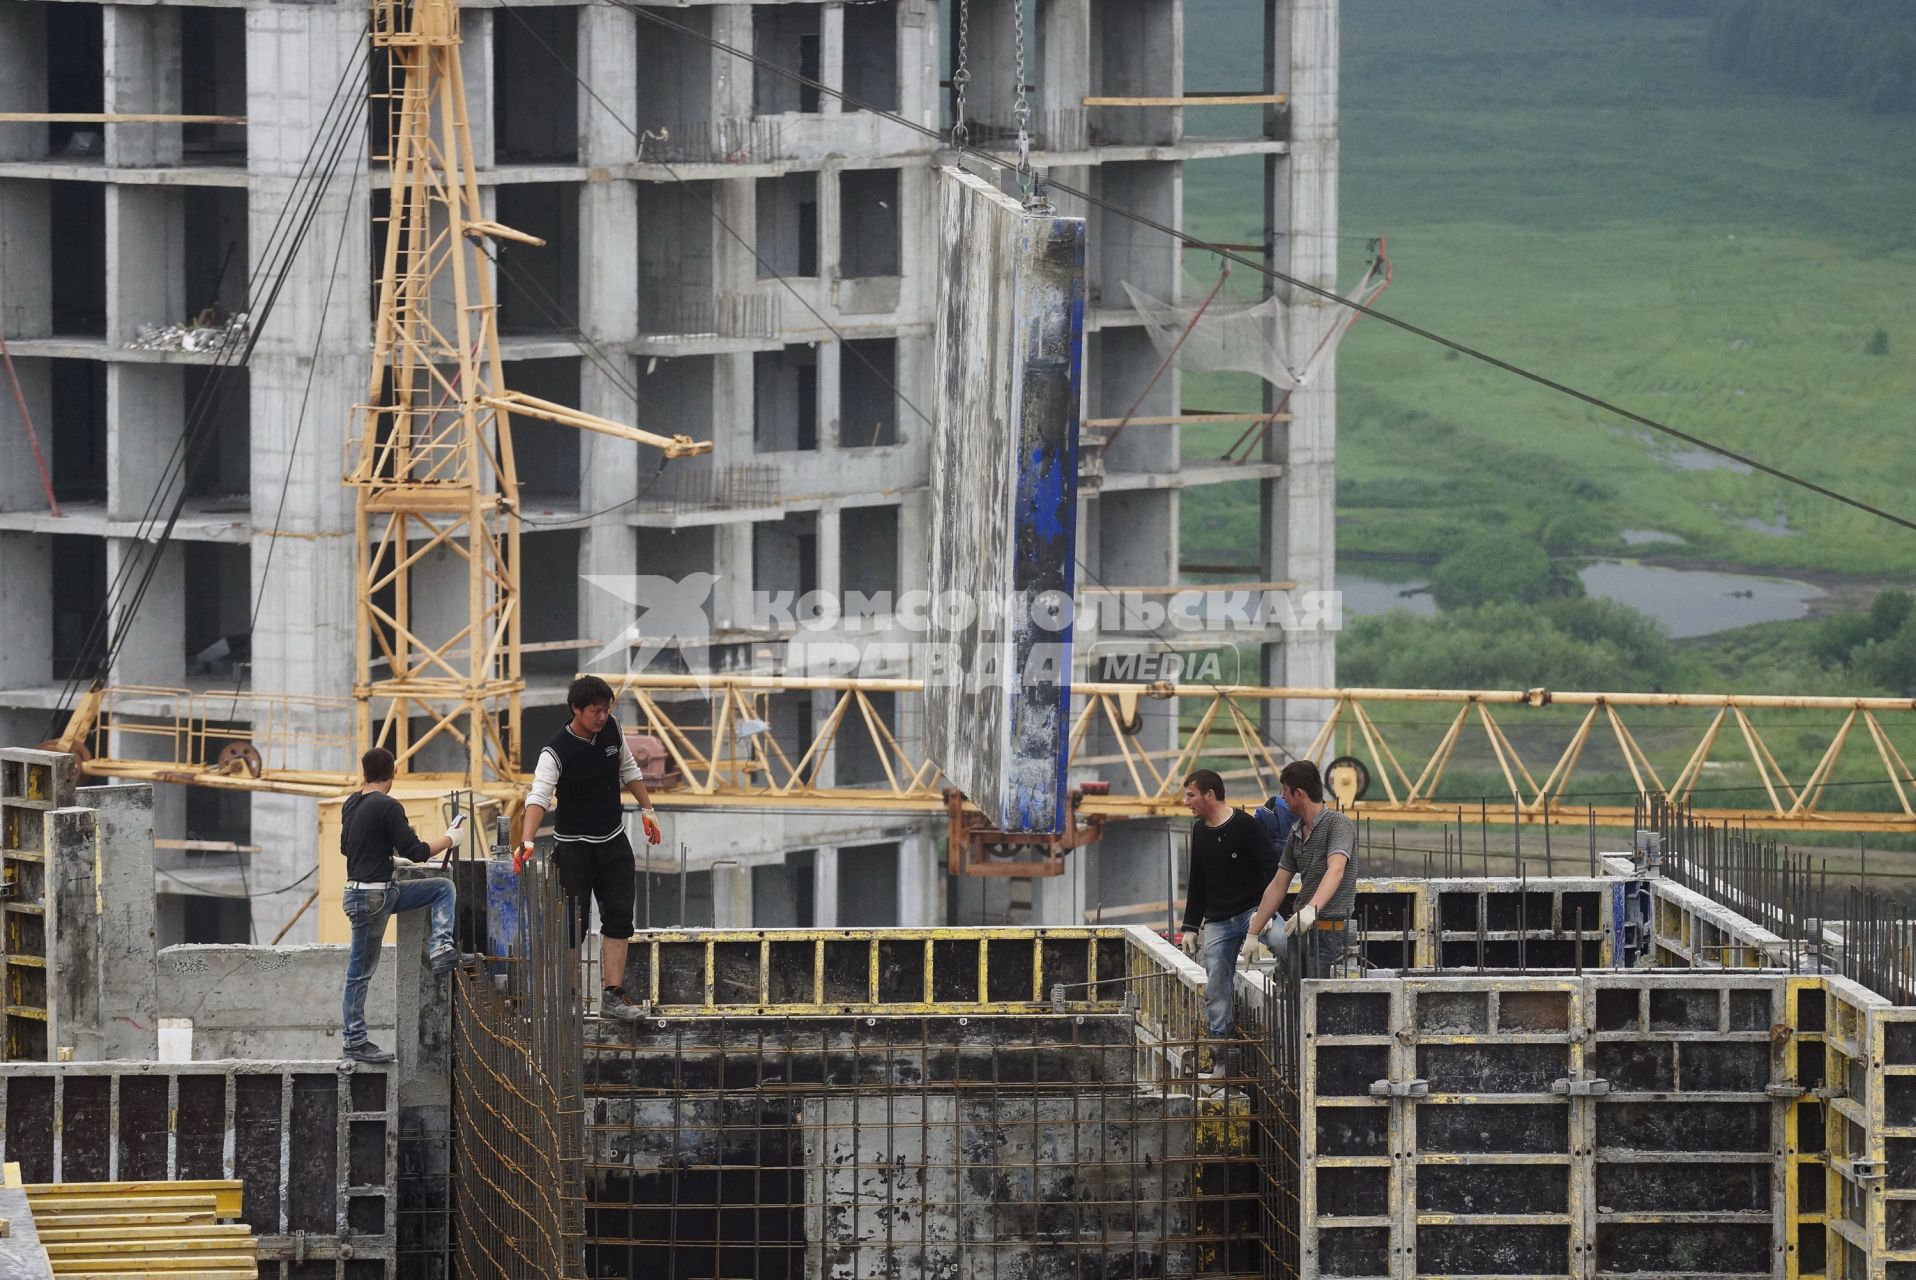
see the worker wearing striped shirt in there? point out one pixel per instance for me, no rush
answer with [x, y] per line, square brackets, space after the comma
[578, 779]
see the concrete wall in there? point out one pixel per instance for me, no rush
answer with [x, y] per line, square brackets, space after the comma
[268, 1002]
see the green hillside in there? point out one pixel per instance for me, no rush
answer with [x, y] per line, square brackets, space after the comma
[1578, 191]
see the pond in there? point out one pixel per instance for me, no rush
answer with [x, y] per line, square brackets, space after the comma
[1689, 602]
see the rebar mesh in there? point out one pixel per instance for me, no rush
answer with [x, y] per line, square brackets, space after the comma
[516, 1099]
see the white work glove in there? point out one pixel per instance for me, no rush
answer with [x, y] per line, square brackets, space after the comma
[1305, 917]
[456, 833]
[650, 820]
[1191, 942]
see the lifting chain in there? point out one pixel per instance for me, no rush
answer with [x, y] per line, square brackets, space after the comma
[960, 131]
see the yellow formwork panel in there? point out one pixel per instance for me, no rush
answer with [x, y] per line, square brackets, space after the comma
[1805, 1153]
[950, 959]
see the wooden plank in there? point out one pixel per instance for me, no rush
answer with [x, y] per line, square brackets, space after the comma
[150, 1246]
[148, 1266]
[82, 1220]
[241, 1271]
[1195, 100]
[1182, 419]
[110, 117]
[55, 1230]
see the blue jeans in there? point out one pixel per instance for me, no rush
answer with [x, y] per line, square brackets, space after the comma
[1322, 952]
[369, 909]
[1223, 939]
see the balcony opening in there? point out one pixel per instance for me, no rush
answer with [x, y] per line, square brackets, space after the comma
[785, 555]
[871, 54]
[676, 284]
[868, 223]
[867, 393]
[79, 587]
[868, 886]
[785, 399]
[549, 603]
[78, 430]
[535, 96]
[213, 83]
[216, 253]
[786, 35]
[76, 76]
[788, 226]
[78, 245]
[782, 892]
[675, 90]
[868, 552]
[538, 288]
[219, 609]
[222, 471]
[545, 454]
[659, 900]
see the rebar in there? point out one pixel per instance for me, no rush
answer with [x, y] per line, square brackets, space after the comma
[516, 1099]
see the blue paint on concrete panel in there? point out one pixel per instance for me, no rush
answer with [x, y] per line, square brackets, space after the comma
[502, 907]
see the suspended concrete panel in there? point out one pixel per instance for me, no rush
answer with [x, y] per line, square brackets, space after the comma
[1004, 501]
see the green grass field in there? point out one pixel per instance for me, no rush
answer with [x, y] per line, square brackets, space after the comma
[1578, 193]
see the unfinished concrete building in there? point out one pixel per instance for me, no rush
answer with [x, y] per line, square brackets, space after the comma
[750, 261]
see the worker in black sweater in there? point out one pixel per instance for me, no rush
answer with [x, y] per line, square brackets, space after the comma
[1232, 860]
[373, 834]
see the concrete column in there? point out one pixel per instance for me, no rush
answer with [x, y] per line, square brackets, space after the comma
[831, 56]
[145, 258]
[476, 30]
[609, 469]
[20, 487]
[26, 610]
[128, 1006]
[1064, 31]
[146, 407]
[732, 562]
[303, 643]
[731, 77]
[26, 255]
[142, 76]
[825, 888]
[73, 927]
[1300, 530]
[1060, 899]
[921, 879]
[23, 81]
[609, 62]
[731, 895]
[829, 546]
[152, 644]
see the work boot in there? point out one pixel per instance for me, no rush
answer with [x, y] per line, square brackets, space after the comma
[614, 1004]
[443, 958]
[367, 1051]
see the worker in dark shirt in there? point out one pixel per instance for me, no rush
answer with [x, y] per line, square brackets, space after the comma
[1232, 860]
[373, 834]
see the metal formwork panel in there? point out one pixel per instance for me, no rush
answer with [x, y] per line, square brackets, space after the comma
[315, 1145]
[34, 787]
[1892, 1175]
[1351, 1171]
[1503, 1124]
[1805, 1141]
[1854, 1152]
[1685, 1167]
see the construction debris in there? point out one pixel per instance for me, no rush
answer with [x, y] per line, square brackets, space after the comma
[204, 333]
